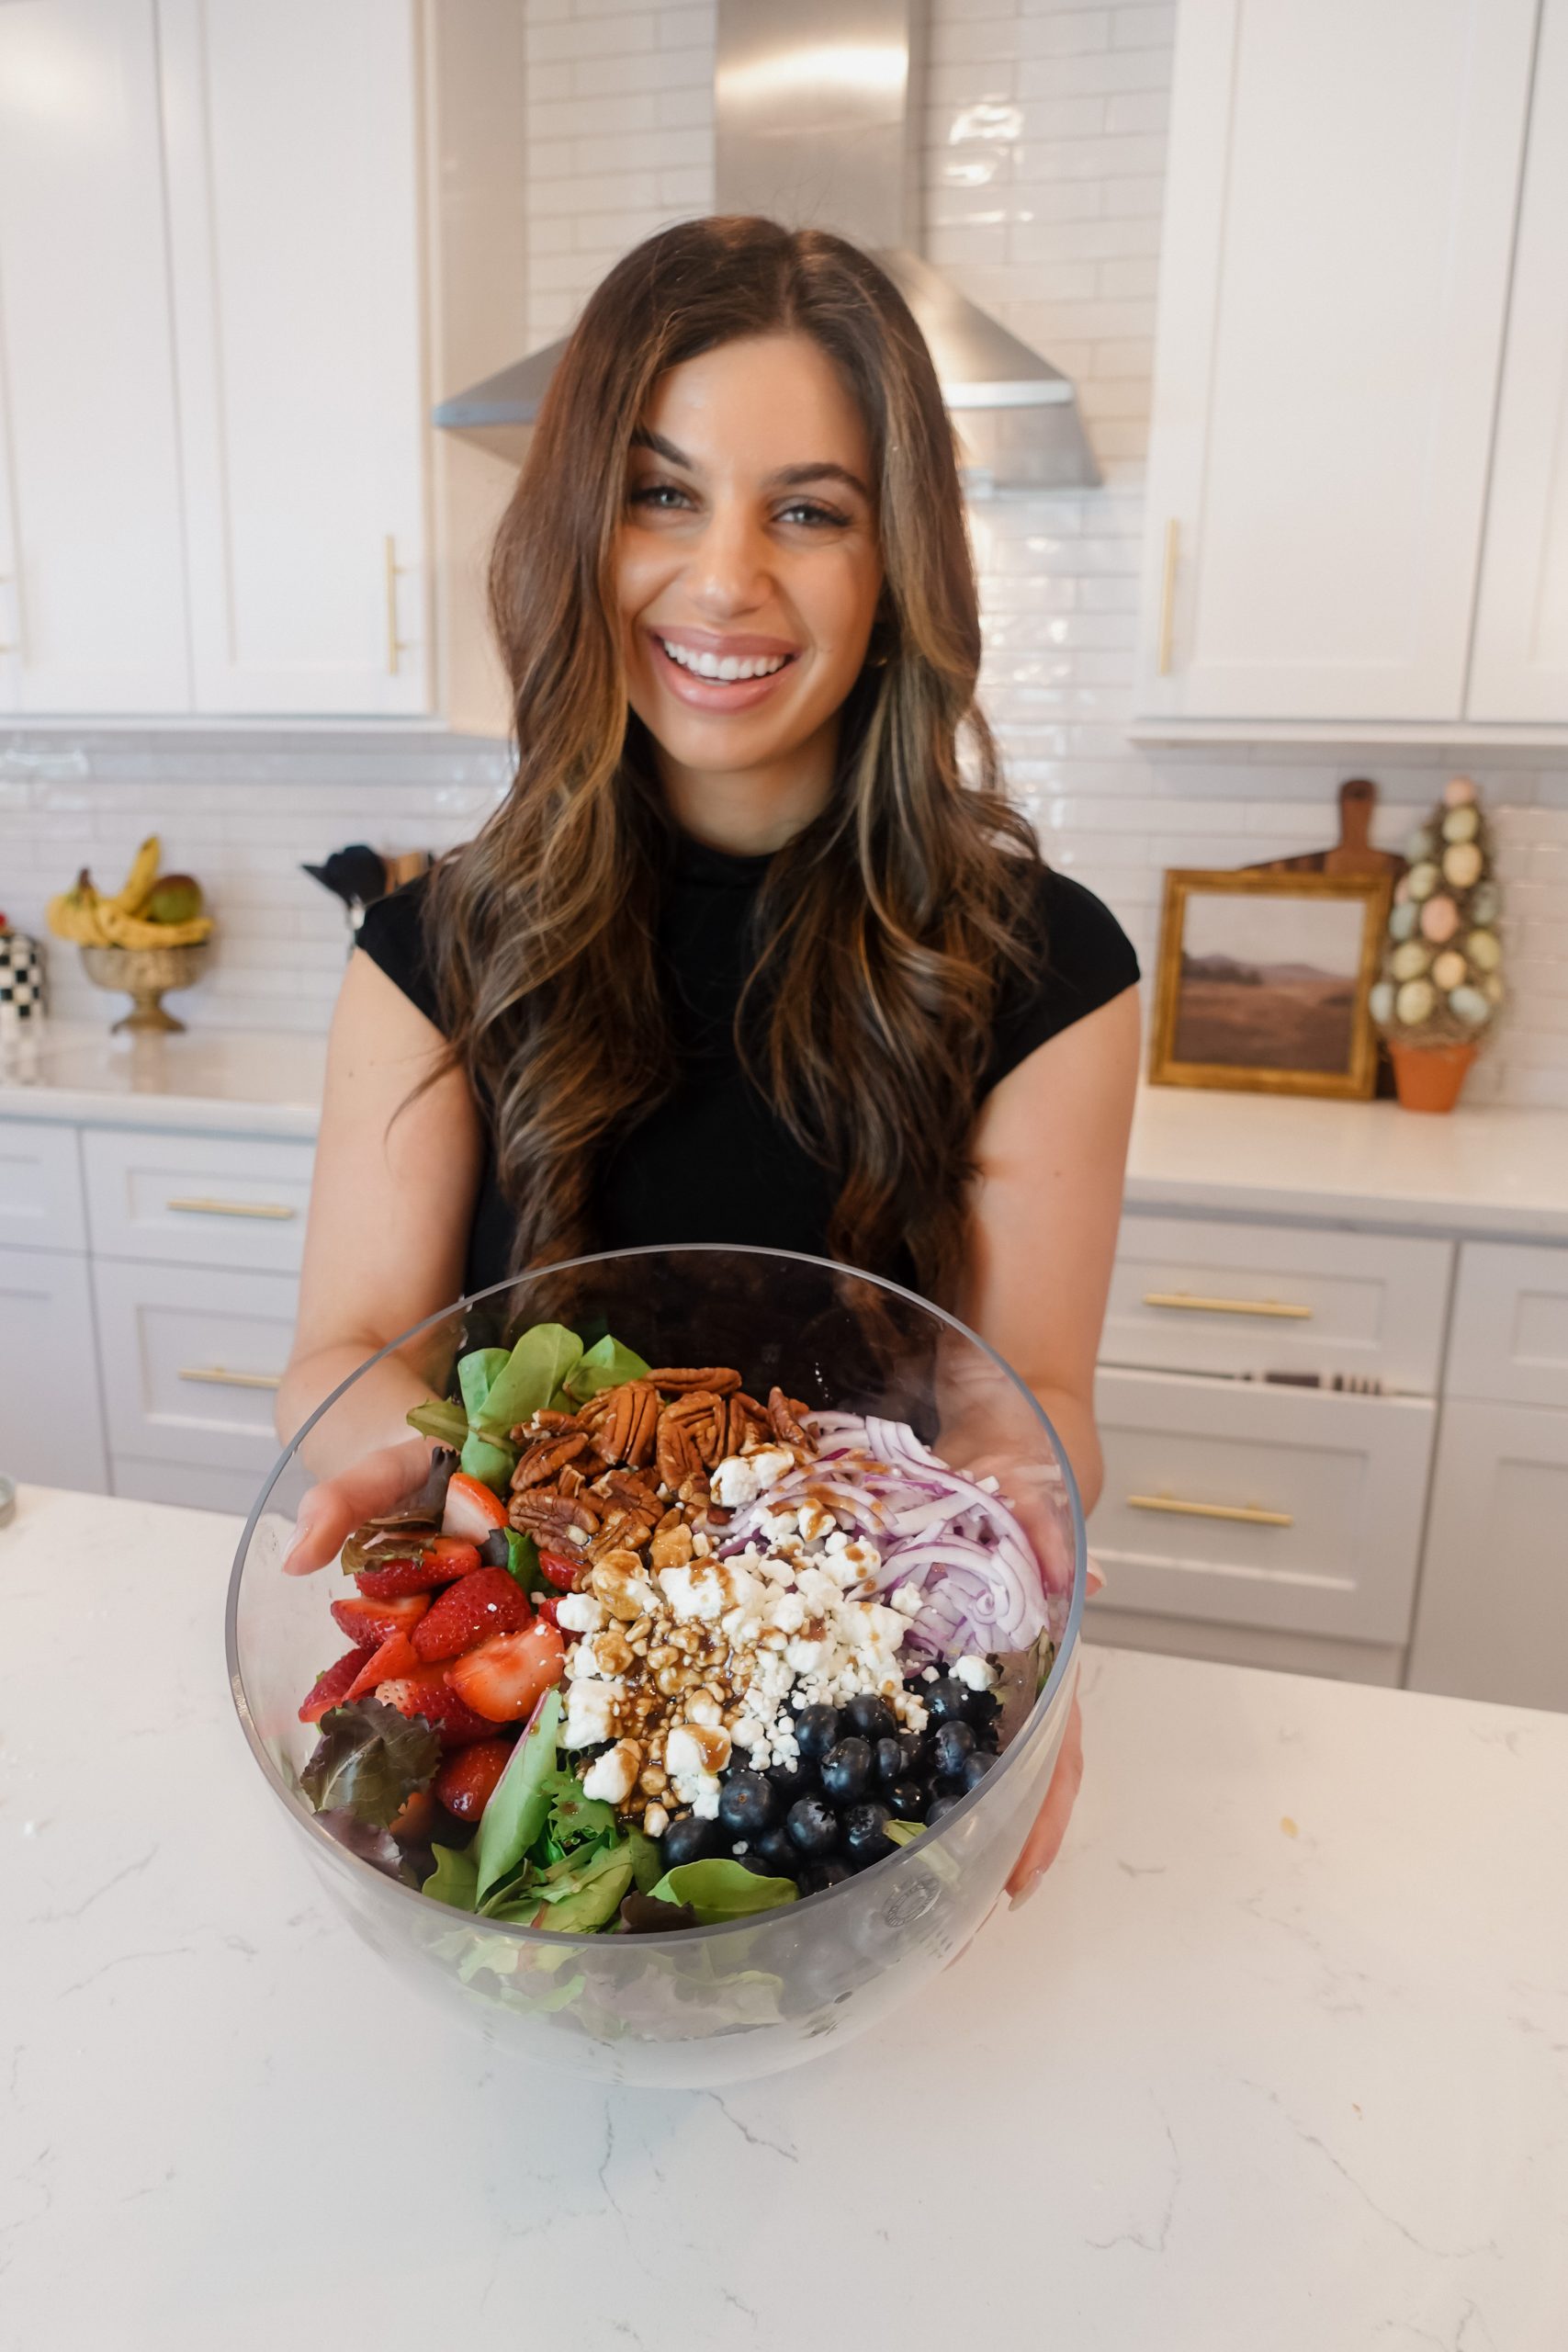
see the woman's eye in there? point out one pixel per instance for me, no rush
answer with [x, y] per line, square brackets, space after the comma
[663, 496]
[807, 510]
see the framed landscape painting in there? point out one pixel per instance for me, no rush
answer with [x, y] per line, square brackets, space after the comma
[1263, 981]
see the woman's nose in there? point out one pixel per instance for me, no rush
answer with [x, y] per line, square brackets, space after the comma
[729, 569]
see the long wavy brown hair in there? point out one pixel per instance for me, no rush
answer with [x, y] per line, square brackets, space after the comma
[883, 932]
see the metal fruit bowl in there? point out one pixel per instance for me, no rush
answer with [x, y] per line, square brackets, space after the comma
[146, 974]
[716, 2004]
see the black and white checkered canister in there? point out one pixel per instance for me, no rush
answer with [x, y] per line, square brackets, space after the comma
[21, 977]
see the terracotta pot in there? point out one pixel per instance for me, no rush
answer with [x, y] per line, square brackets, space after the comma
[1428, 1077]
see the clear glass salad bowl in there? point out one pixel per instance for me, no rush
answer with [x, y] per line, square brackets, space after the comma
[705, 2004]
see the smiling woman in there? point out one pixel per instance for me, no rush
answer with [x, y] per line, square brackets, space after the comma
[756, 950]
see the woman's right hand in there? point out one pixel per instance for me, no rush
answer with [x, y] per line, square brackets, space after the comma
[331, 1510]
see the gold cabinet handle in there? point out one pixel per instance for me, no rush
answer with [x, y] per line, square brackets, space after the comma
[396, 645]
[199, 1207]
[1168, 593]
[1281, 1308]
[1250, 1513]
[213, 1375]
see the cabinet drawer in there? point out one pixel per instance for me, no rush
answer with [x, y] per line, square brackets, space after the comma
[198, 1200]
[192, 1359]
[51, 1425]
[40, 1187]
[1196, 1295]
[1284, 1507]
[197, 1486]
[1510, 1329]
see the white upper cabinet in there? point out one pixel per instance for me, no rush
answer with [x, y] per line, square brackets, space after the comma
[91, 597]
[294, 239]
[1520, 666]
[1339, 228]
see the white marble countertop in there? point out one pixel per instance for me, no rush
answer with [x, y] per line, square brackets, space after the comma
[1481, 1171]
[1485, 1171]
[1277, 2057]
[224, 1082]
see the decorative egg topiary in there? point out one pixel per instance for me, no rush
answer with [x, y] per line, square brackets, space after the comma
[1440, 987]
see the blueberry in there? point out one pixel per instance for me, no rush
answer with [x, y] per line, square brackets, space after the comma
[895, 1760]
[951, 1748]
[776, 1847]
[746, 1804]
[947, 1701]
[940, 1807]
[756, 1863]
[976, 1768]
[688, 1840]
[814, 1825]
[907, 1800]
[846, 1771]
[983, 1709]
[816, 1729]
[870, 1718]
[865, 1835]
[794, 1781]
[814, 1877]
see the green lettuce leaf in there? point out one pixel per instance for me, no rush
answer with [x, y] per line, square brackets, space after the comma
[477, 1372]
[447, 1424]
[519, 1804]
[369, 1761]
[647, 1865]
[535, 1370]
[453, 1878]
[717, 1890]
[588, 1896]
[605, 1365]
[576, 1819]
[491, 1463]
[904, 1833]
[522, 1562]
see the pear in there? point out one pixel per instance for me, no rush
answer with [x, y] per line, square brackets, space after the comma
[174, 897]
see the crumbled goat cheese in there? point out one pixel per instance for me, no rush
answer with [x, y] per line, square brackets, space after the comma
[908, 1599]
[613, 1776]
[580, 1612]
[591, 1713]
[976, 1673]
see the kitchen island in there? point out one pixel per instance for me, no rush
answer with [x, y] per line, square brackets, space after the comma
[1277, 2057]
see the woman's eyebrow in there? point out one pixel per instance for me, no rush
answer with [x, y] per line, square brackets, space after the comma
[786, 477]
[645, 439]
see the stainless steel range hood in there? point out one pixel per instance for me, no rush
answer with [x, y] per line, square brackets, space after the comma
[817, 116]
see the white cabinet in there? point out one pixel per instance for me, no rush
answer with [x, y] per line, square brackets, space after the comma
[212, 428]
[92, 565]
[192, 1362]
[1520, 666]
[1288, 1510]
[1510, 1325]
[1492, 1617]
[294, 239]
[51, 1420]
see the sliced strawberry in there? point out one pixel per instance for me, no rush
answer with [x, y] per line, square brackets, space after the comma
[466, 1780]
[469, 1612]
[561, 1573]
[370, 1622]
[431, 1561]
[504, 1677]
[332, 1687]
[471, 1508]
[428, 1693]
[547, 1606]
[396, 1656]
[417, 1816]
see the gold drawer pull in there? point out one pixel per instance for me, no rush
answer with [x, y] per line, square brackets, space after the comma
[214, 1376]
[1279, 1307]
[197, 1208]
[1250, 1513]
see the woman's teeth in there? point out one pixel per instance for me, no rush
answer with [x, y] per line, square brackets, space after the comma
[728, 667]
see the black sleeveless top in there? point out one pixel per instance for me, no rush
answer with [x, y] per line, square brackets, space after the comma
[713, 1162]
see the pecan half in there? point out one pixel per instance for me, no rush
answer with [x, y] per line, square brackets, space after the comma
[744, 1418]
[678, 1456]
[712, 1376]
[545, 1457]
[555, 1523]
[625, 1422]
[704, 1419]
[786, 1414]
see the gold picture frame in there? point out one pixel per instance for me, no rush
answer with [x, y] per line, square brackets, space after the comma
[1257, 999]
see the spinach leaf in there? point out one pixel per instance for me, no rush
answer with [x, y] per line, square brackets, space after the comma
[449, 1424]
[519, 1803]
[535, 1370]
[369, 1761]
[595, 1898]
[720, 1889]
[904, 1833]
[490, 1463]
[476, 1372]
[647, 1864]
[605, 1365]
[576, 1819]
[522, 1562]
[453, 1878]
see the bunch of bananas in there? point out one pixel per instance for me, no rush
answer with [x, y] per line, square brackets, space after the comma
[91, 920]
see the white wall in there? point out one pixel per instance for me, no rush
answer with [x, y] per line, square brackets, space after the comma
[1043, 183]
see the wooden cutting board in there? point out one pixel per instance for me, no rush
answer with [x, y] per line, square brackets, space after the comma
[1353, 852]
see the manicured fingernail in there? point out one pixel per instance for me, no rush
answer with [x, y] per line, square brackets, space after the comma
[1017, 1902]
[287, 1562]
